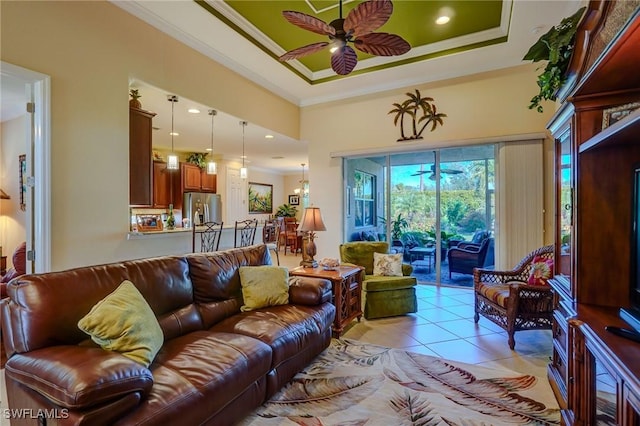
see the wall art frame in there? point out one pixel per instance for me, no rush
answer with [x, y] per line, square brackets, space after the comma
[615, 114]
[294, 200]
[260, 198]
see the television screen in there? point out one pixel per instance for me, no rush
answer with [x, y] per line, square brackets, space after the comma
[632, 315]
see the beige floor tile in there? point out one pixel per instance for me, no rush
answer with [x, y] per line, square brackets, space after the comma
[430, 333]
[461, 350]
[435, 314]
[465, 328]
[463, 311]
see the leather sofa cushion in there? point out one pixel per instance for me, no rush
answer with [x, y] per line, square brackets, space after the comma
[287, 328]
[196, 375]
[83, 376]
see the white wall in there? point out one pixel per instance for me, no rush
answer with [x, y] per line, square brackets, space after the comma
[12, 219]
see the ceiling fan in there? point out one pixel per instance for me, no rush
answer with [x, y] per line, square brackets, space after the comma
[357, 28]
[432, 170]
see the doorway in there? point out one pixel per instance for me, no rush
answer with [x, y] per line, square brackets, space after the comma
[29, 91]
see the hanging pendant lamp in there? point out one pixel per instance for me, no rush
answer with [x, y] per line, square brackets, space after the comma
[301, 189]
[172, 158]
[243, 169]
[212, 167]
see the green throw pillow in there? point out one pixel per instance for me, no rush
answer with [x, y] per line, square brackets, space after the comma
[124, 322]
[264, 286]
[387, 265]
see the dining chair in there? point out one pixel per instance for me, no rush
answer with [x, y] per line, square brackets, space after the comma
[206, 236]
[270, 237]
[245, 232]
[291, 235]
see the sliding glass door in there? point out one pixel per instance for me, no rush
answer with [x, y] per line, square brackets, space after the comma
[424, 202]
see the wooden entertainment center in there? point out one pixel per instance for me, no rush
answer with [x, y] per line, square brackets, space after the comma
[595, 374]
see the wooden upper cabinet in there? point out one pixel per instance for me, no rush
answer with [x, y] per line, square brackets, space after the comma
[196, 180]
[140, 160]
[208, 183]
[161, 185]
[190, 177]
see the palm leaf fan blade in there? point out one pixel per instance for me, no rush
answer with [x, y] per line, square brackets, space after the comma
[382, 44]
[303, 51]
[368, 16]
[344, 60]
[308, 22]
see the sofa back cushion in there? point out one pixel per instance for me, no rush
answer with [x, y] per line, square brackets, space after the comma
[216, 280]
[44, 309]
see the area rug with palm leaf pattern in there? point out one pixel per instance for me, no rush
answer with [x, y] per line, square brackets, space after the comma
[354, 383]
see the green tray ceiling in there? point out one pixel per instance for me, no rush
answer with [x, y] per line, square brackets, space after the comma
[411, 19]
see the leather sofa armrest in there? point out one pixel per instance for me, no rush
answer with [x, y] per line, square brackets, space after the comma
[78, 377]
[309, 291]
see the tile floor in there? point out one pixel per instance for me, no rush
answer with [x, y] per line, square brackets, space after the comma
[444, 327]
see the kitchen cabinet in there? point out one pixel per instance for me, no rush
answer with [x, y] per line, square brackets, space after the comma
[162, 182]
[593, 373]
[140, 160]
[195, 179]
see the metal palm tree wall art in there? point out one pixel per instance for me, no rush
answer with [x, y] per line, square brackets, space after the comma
[411, 107]
[357, 29]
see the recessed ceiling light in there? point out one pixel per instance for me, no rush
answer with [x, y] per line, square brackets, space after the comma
[442, 20]
[194, 110]
[208, 149]
[174, 134]
[268, 136]
[243, 156]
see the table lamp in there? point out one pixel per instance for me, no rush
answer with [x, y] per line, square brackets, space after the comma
[311, 222]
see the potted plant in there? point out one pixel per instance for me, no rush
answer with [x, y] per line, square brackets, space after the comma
[286, 210]
[398, 226]
[556, 47]
[198, 159]
[134, 102]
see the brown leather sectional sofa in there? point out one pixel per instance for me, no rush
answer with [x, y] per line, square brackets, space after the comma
[216, 365]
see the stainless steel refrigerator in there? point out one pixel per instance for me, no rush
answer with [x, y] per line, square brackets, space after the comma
[200, 207]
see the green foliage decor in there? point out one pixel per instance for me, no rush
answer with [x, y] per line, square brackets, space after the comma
[286, 210]
[198, 158]
[556, 46]
[398, 226]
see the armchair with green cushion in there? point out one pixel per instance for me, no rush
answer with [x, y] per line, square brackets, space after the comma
[382, 296]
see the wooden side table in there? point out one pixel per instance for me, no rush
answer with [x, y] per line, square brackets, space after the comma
[347, 292]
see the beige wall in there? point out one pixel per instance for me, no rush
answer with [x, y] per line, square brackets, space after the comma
[489, 106]
[12, 219]
[91, 50]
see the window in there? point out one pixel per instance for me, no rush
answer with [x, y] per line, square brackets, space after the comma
[364, 191]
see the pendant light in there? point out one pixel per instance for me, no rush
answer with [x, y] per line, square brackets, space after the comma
[243, 169]
[212, 167]
[172, 159]
[301, 189]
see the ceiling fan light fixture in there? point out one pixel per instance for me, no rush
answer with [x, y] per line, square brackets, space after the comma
[357, 28]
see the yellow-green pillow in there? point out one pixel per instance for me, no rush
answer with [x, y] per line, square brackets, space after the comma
[264, 286]
[124, 322]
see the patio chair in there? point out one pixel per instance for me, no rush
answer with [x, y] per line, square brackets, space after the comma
[382, 296]
[464, 257]
[507, 299]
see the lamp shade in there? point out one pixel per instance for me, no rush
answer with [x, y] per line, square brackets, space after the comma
[312, 220]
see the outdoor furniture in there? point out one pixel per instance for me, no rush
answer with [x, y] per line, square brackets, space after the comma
[464, 257]
[419, 254]
[382, 296]
[506, 298]
[476, 240]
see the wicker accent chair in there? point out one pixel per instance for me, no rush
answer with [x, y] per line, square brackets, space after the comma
[506, 298]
